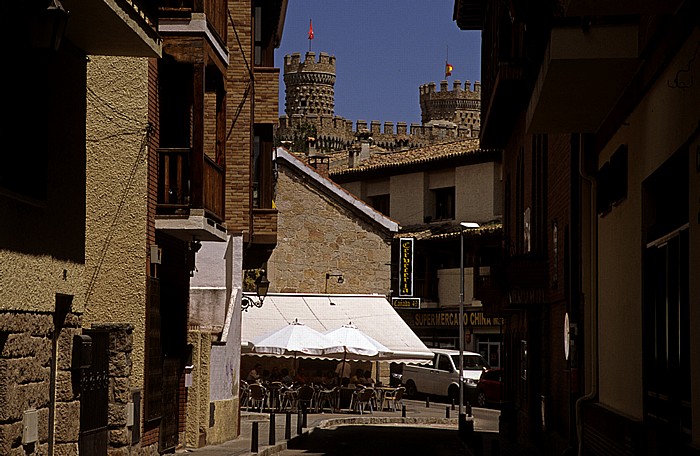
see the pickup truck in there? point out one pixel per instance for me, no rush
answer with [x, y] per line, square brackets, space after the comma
[441, 378]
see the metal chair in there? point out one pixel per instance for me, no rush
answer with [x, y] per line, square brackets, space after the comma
[393, 398]
[365, 399]
[258, 395]
[327, 396]
[305, 397]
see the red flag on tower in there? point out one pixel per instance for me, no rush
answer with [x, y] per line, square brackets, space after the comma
[448, 69]
[311, 30]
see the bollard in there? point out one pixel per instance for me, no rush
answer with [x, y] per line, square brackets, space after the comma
[299, 421]
[272, 438]
[288, 426]
[453, 404]
[304, 413]
[403, 411]
[427, 402]
[468, 409]
[254, 438]
[447, 412]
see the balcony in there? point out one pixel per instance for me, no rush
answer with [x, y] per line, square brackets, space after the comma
[588, 69]
[190, 203]
[114, 27]
[196, 17]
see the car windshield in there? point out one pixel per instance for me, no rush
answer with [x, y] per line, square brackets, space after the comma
[471, 362]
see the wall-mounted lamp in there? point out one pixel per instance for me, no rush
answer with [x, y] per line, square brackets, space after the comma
[49, 25]
[262, 285]
[328, 276]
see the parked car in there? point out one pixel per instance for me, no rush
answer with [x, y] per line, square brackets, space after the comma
[489, 389]
[441, 377]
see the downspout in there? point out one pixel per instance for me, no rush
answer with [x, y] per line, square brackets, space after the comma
[593, 297]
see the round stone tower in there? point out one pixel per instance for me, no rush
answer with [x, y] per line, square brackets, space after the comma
[460, 106]
[309, 85]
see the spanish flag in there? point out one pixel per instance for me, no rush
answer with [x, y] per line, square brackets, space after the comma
[448, 69]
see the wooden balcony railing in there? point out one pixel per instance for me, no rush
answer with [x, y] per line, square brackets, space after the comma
[214, 10]
[176, 192]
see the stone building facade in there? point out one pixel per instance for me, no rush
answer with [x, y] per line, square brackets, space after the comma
[326, 230]
[447, 115]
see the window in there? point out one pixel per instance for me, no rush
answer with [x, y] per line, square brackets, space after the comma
[444, 203]
[262, 167]
[666, 298]
[381, 203]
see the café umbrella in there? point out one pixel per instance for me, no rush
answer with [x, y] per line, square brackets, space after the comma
[356, 343]
[294, 339]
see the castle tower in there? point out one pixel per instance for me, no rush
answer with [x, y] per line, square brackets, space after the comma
[309, 85]
[460, 106]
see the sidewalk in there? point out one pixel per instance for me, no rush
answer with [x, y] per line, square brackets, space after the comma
[416, 414]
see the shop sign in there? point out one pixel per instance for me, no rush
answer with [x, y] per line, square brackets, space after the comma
[406, 303]
[406, 267]
[451, 318]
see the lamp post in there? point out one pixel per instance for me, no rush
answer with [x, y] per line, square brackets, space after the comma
[462, 415]
[262, 285]
[328, 276]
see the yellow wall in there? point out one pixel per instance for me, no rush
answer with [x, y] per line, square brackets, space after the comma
[116, 217]
[657, 128]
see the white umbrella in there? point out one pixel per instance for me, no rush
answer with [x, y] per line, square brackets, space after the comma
[354, 341]
[293, 339]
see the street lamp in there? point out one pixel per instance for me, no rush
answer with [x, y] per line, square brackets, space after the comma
[262, 285]
[328, 276]
[462, 415]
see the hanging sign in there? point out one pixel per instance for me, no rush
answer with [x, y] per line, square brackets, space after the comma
[406, 267]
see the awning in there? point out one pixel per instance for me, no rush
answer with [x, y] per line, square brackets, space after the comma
[370, 313]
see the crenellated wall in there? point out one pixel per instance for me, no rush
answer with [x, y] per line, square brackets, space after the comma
[447, 115]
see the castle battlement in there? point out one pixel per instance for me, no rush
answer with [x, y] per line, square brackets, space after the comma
[310, 100]
[324, 64]
[461, 105]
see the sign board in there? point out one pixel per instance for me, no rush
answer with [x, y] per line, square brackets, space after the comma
[406, 267]
[406, 303]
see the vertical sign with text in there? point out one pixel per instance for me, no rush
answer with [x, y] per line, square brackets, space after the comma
[406, 267]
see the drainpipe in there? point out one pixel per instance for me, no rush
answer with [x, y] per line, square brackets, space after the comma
[593, 298]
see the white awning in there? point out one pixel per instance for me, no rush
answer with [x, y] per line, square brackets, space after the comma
[372, 314]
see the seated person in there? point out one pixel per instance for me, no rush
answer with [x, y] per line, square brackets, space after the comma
[286, 378]
[368, 380]
[358, 378]
[300, 377]
[254, 374]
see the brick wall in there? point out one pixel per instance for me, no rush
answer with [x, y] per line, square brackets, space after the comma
[239, 117]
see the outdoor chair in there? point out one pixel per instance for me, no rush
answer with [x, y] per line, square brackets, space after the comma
[257, 395]
[305, 397]
[327, 396]
[393, 398]
[364, 399]
[274, 395]
[244, 393]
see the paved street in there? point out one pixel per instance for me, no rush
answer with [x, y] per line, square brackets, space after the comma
[385, 440]
[327, 433]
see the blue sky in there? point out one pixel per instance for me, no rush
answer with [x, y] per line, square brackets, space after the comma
[385, 49]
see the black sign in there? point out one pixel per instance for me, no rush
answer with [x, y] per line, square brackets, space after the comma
[406, 267]
[406, 303]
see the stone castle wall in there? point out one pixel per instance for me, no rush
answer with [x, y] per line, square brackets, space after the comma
[447, 115]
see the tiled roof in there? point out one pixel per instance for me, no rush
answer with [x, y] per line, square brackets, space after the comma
[384, 159]
[446, 230]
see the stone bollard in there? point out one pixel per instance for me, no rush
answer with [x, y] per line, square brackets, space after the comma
[288, 426]
[272, 438]
[254, 438]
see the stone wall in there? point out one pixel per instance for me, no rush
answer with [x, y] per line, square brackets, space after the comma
[318, 235]
[26, 361]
